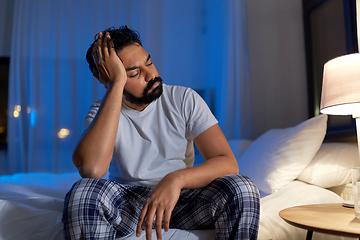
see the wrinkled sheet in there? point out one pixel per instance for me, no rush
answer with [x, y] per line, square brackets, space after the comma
[31, 208]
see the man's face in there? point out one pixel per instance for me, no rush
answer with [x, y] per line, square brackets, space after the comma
[147, 96]
[143, 82]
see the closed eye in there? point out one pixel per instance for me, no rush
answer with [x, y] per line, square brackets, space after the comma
[134, 75]
[149, 61]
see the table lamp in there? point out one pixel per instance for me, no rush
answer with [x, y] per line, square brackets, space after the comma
[341, 88]
[341, 96]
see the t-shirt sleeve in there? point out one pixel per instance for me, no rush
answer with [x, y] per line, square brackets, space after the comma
[91, 114]
[197, 114]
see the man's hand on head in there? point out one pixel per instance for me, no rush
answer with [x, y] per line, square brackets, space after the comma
[159, 205]
[110, 69]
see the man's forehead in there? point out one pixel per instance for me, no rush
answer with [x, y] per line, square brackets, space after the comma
[133, 55]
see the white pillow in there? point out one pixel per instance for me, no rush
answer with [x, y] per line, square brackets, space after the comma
[279, 156]
[331, 165]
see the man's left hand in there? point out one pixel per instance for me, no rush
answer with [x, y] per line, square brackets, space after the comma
[160, 204]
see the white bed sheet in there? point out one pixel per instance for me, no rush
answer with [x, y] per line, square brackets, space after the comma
[31, 208]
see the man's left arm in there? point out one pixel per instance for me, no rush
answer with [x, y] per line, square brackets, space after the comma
[218, 156]
[219, 161]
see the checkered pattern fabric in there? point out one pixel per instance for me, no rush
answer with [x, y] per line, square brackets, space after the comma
[103, 209]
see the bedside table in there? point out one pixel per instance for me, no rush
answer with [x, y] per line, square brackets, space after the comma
[330, 218]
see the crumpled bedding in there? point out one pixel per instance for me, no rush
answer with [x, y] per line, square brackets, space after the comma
[31, 208]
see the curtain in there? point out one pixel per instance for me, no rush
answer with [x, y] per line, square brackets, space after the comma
[194, 43]
[235, 111]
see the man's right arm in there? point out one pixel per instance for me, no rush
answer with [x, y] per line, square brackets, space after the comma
[92, 155]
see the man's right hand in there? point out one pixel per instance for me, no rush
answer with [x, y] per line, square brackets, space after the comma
[109, 66]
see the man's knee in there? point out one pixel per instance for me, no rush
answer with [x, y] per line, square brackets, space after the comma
[238, 186]
[84, 187]
[83, 214]
[83, 192]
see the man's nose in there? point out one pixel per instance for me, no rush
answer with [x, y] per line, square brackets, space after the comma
[149, 75]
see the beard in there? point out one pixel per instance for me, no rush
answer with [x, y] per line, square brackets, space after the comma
[147, 97]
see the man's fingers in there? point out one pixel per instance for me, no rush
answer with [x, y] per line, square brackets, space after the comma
[158, 222]
[150, 219]
[111, 47]
[95, 53]
[141, 220]
[105, 45]
[100, 45]
[167, 216]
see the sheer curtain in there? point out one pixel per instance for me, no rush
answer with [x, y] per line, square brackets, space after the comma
[199, 44]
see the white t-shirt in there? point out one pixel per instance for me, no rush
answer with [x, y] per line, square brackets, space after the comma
[158, 140]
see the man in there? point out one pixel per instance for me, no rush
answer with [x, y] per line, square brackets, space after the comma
[143, 133]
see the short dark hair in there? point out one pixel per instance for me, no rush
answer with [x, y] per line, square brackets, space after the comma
[120, 37]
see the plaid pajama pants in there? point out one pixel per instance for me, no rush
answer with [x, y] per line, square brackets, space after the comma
[103, 209]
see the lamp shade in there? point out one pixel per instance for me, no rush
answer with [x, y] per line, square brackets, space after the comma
[341, 86]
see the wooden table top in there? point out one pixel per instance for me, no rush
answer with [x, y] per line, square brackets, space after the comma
[326, 218]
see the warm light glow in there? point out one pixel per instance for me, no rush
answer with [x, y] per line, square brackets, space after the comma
[16, 114]
[28, 110]
[2, 129]
[341, 86]
[17, 108]
[63, 133]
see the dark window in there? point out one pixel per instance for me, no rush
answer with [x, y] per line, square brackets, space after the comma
[4, 80]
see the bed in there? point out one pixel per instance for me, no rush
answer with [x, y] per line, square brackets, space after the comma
[291, 167]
